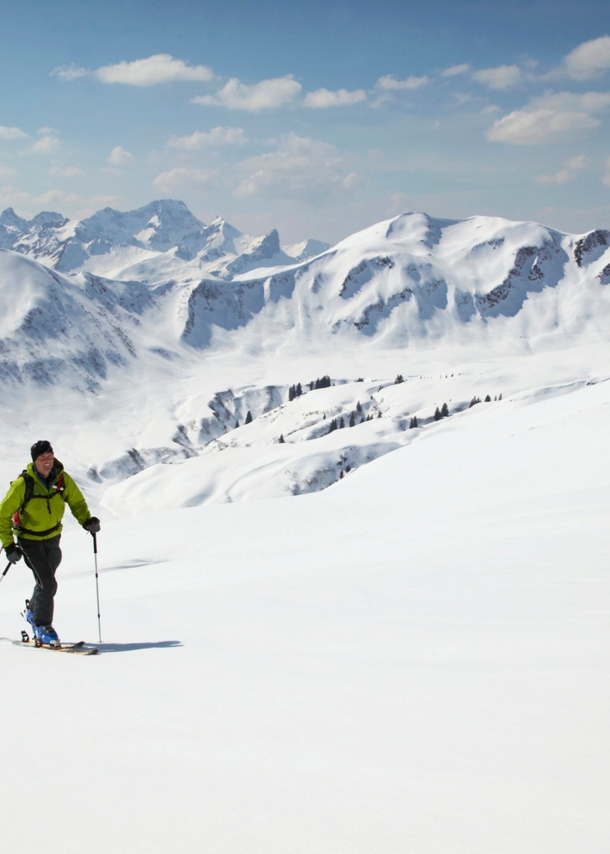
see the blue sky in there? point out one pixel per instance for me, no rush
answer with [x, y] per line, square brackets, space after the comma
[315, 118]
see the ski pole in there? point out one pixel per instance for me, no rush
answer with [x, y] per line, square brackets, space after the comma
[97, 588]
[8, 566]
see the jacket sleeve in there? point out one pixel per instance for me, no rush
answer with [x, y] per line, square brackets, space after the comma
[11, 503]
[75, 500]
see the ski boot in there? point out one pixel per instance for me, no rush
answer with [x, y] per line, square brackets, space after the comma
[29, 616]
[46, 635]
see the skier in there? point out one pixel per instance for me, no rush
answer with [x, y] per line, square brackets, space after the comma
[32, 511]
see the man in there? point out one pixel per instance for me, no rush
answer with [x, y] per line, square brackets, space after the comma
[32, 510]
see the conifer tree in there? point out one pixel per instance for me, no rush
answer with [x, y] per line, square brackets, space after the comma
[248, 418]
[444, 411]
[437, 414]
[281, 439]
[352, 420]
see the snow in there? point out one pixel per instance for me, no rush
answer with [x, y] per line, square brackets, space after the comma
[415, 659]
[412, 656]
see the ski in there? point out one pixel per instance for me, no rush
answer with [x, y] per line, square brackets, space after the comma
[79, 648]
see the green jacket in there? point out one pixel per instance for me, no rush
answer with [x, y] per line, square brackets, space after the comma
[45, 510]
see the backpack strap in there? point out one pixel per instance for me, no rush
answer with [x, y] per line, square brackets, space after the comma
[29, 492]
[29, 495]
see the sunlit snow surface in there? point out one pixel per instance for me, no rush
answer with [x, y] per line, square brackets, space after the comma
[409, 658]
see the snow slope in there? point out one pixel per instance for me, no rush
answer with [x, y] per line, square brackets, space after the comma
[372, 638]
[413, 660]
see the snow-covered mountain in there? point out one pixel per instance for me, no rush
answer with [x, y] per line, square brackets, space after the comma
[219, 358]
[407, 281]
[160, 240]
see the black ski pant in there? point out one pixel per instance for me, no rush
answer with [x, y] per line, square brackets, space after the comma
[43, 557]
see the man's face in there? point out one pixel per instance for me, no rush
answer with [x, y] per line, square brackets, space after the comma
[44, 463]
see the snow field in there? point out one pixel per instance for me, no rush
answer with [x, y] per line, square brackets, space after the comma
[412, 660]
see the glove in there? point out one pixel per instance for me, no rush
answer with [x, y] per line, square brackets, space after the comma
[13, 553]
[92, 525]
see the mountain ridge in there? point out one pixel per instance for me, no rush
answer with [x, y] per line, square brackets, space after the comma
[160, 239]
[409, 279]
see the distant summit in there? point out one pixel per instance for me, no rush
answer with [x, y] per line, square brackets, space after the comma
[158, 241]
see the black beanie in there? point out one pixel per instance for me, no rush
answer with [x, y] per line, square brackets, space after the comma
[42, 446]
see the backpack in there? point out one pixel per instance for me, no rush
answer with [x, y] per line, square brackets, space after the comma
[58, 489]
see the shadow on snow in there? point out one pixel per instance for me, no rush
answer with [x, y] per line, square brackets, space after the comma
[131, 647]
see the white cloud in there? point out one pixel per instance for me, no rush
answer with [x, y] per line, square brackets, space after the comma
[568, 173]
[7, 172]
[552, 115]
[606, 178]
[52, 197]
[561, 177]
[388, 81]
[588, 59]
[530, 127]
[351, 182]
[181, 175]
[502, 77]
[47, 144]
[69, 72]
[207, 139]
[160, 68]
[576, 163]
[300, 168]
[267, 94]
[322, 98]
[590, 102]
[66, 171]
[119, 157]
[12, 133]
[13, 197]
[455, 69]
